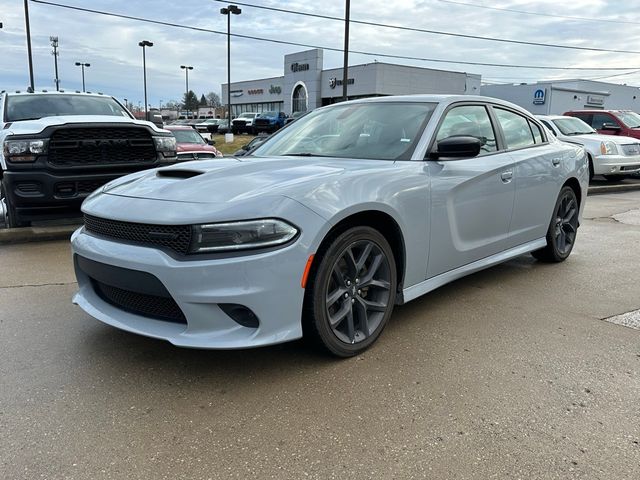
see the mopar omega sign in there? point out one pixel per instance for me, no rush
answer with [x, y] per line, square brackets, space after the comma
[539, 96]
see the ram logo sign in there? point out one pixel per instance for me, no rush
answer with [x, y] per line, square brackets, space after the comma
[539, 96]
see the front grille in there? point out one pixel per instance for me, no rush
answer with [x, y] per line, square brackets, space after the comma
[264, 122]
[239, 123]
[29, 188]
[195, 156]
[631, 149]
[160, 308]
[101, 146]
[173, 237]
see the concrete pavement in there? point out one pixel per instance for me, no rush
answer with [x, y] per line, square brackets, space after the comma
[508, 373]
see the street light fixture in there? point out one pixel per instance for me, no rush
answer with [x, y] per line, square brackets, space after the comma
[186, 69]
[54, 44]
[144, 44]
[126, 103]
[228, 11]
[80, 64]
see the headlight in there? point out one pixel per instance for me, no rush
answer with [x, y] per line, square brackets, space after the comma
[608, 148]
[166, 145]
[24, 150]
[220, 237]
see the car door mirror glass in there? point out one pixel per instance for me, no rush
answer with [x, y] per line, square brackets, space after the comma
[610, 126]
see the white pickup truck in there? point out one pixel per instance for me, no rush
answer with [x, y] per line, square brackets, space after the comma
[611, 156]
[57, 147]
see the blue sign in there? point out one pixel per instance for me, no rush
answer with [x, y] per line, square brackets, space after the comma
[539, 96]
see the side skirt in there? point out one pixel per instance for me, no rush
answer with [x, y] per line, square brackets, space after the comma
[430, 284]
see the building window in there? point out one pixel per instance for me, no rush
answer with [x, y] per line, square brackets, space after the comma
[299, 103]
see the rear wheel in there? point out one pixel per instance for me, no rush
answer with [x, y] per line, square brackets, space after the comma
[561, 234]
[352, 294]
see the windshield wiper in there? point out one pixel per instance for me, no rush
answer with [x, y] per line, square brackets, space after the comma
[304, 154]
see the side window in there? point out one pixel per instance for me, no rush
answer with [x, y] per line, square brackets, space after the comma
[469, 120]
[537, 132]
[585, 117]
[548, 125]
[516, 129]
[600, 119]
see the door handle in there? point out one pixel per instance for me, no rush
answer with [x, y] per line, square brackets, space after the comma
[556, 162]
[506, 176]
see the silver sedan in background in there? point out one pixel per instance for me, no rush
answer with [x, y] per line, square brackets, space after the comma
[320, 231]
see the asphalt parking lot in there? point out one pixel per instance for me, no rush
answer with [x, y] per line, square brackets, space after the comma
[508, 373]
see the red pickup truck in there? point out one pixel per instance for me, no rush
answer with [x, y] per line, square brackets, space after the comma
[610, 122]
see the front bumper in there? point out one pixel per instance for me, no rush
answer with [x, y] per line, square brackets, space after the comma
[616, 164]
[266, 283]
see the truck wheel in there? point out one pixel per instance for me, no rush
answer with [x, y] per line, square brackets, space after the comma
[12, 220]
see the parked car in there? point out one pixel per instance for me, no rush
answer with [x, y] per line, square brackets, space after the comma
[191, 145]
[223, 126]
[294, 116]
[209, 125]
[352, 209]
[243, 123]
[610, 122]
[612, 156]
[269, 121]
[59, 147]
[245, 149]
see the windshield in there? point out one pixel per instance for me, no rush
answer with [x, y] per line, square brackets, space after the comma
[269, 114]
[572, 126]
[187, 136]
[247, 115]
[35, 106]
[373, 130]
[630, 119]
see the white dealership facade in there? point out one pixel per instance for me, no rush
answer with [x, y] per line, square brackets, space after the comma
[305, 85]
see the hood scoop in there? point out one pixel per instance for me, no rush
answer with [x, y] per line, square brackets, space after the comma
[178, 173]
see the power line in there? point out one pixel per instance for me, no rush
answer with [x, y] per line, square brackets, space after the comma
[435, 32]
[539, 14]
[284, 42]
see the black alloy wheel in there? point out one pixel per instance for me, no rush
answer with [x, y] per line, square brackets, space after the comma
[563, 228]
[353, 292]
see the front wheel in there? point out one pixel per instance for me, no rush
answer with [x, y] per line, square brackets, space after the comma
[352, 294]
[11, 218]
[561, 234]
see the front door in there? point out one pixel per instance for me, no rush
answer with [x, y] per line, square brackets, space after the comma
[471, 199]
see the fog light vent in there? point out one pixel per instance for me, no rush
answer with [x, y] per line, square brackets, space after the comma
[240, 314]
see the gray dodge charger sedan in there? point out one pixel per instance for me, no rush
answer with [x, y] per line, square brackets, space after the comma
[321, 230]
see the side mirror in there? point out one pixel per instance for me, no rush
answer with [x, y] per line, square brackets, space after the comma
[610, 126]
[210, 141]
[457, 146]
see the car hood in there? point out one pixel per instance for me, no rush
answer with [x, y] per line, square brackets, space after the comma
[227, 180]
[194, 147]
[36, 126]
[598, 137]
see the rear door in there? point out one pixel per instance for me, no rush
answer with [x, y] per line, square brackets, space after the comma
[472, 198]
[538, 174]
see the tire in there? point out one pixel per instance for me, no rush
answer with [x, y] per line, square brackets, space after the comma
[344, 313]
[614, 178]
[563, 228]
[12, 218]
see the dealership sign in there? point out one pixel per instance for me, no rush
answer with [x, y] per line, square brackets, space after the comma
[255, 91]
[595, 100]
[236, 93]
[299, 67]
[277, 89]
[539, 96]
[334, 82]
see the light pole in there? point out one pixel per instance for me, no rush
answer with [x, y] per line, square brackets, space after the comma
[28, 31]
[186, 69]
[126, 103]
[345, 67]
[144, 44]
[80, 64]
[231, 9]
[54, 44]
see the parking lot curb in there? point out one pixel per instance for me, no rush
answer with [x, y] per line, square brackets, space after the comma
[36, 234]
[600, 189]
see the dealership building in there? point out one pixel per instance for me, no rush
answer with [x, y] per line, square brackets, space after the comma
[558, 96]
[305, 84]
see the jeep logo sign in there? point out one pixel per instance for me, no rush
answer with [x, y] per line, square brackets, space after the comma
[299, 67]
[277, 89]
[539, 96]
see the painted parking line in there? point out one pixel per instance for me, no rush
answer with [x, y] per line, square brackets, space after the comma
[629, 319]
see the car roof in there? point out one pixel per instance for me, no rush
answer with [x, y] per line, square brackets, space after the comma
[553, 117]
[62, 92]
[597, 111]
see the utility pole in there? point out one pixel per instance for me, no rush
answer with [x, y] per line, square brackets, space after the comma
[345, 67]
[54, 44]
[228, 11]
[28, 28]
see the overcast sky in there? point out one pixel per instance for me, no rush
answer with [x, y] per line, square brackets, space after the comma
[110, 44]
